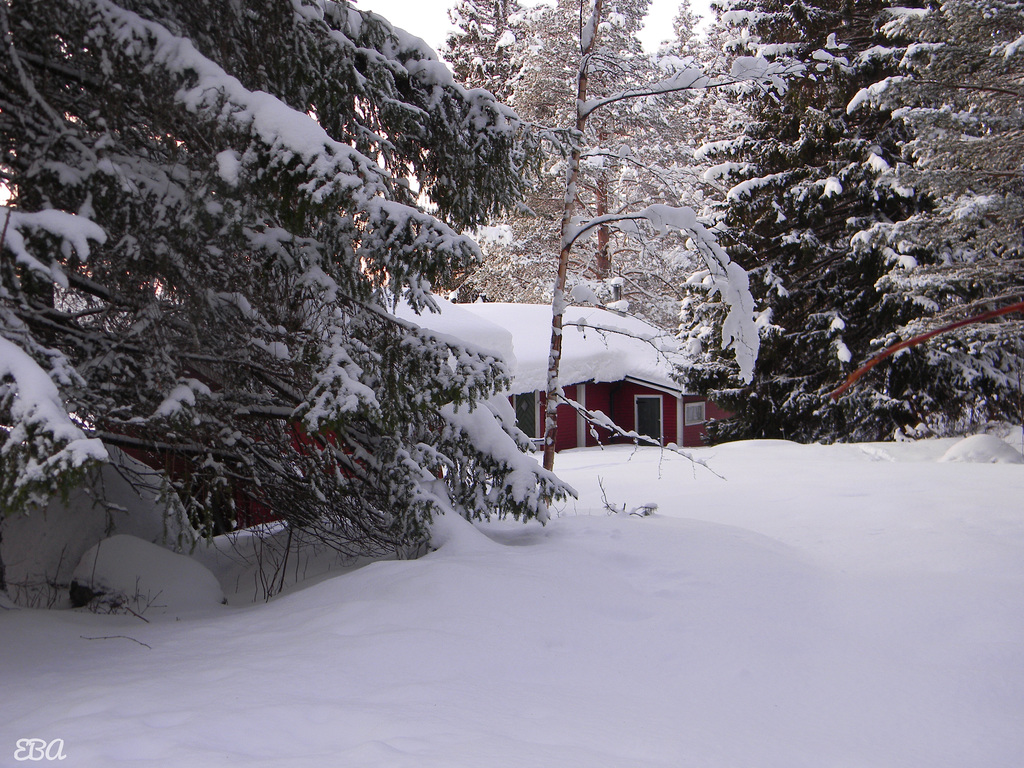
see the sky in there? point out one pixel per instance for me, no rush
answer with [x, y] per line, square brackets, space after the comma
[429, 18]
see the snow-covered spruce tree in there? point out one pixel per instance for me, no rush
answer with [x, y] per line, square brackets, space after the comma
[210, 225]
[479, 50]
[959, 92]
[807, 180]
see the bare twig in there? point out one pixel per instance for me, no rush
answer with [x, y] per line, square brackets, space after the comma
[117, 637]
[612, 509]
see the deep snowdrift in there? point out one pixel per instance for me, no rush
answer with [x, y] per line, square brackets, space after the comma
[852, 605]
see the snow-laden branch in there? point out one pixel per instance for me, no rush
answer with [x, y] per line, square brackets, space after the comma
[331, 164]
[745, 69]
[489, 424]
[74, 231]
[874, 94]
[332, 167]
[740, 331]
[36, 407]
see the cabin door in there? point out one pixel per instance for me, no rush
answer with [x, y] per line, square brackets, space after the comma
[648, 416]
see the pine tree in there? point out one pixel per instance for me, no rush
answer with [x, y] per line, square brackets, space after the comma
[635, 151]
[808, 185]
[211, 225]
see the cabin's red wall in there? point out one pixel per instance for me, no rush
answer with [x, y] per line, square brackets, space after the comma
[598, 398]
[713, 411]
[697, 434]
[248, 511]
[616, 400]
[566, 437]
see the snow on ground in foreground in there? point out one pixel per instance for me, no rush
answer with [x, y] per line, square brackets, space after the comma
[852, 606]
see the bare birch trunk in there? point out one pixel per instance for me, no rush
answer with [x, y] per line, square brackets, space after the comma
[588, 38]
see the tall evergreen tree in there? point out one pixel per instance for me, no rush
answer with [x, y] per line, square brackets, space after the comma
[959, 92]
[210, 228]
[807, 181]
[480, 49]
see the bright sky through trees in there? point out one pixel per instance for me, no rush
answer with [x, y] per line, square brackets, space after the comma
[429, 18]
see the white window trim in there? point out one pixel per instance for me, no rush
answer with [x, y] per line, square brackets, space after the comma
[661, 414]
[581, 421]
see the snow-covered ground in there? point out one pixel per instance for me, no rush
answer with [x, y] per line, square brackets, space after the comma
[851, 606]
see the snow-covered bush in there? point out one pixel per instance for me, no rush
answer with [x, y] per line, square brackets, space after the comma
[125, 574]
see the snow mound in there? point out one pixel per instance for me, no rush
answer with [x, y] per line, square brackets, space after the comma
[40, 549]
[128, 572]
[983, 449]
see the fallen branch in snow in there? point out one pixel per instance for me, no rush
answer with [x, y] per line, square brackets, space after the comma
[920, 339]
[612, 509]
[642, 510]
[117, 637]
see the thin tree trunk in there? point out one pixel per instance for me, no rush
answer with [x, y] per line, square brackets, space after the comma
[604, 257]
[588, 38]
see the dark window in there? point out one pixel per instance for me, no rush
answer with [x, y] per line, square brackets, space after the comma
[526, 413]
[648, 416]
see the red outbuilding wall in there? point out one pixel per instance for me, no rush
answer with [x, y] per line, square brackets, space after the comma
[617, 400]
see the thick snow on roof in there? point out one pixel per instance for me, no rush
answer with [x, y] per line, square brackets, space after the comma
[597, 345]
[453, 322]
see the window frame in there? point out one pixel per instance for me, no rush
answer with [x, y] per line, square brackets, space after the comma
[536, 433]
[687, 421]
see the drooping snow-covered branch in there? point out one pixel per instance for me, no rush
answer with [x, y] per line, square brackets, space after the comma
[41, 440]
[73, 231]
[745, 69]
[206, 239]
[725, 278]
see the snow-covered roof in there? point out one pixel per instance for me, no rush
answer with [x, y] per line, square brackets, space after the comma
[597, 345]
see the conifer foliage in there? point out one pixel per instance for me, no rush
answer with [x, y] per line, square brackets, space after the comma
[959, 93]
[210, 227]
[480, 49]
[878, 199]
[806, 180]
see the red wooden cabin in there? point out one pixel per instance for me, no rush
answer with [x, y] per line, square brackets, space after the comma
[611, 362]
